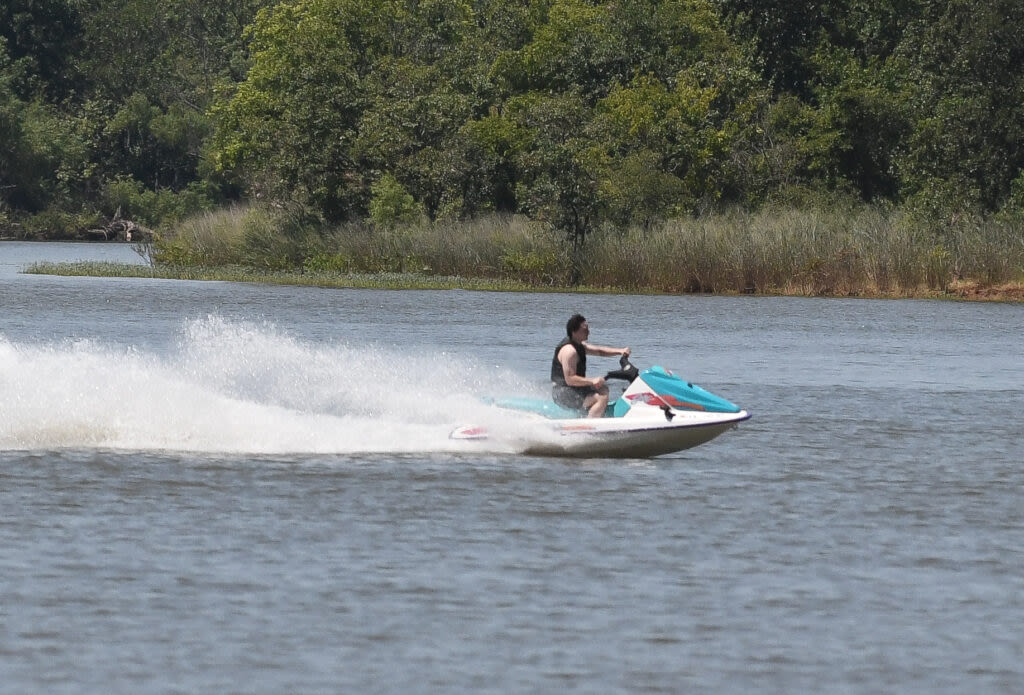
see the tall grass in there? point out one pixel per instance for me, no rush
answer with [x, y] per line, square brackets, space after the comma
[211, 239]
[860, 250]
[493, 247]
[511, 247]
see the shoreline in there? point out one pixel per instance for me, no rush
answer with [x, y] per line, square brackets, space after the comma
[959, 290]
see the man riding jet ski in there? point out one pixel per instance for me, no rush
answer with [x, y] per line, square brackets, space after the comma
[657, 413]
[570, 386]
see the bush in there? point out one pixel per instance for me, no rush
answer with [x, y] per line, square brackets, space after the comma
[327, 263]
[51, 224]
[153, 208]
[210, 239]
[391, 204]
[536, 265]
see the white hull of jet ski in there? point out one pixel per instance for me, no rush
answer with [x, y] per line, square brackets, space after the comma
[628, 437]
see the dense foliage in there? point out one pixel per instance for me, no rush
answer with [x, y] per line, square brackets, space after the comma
[579, 113]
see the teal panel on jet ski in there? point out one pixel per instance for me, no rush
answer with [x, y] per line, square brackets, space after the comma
[683, 395]
[547, 408]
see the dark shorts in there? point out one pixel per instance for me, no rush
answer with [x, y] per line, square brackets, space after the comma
[571, 397]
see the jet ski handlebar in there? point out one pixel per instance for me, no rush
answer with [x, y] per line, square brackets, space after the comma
[627, 371]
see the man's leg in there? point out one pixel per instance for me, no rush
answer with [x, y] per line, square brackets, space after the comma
[597, 403]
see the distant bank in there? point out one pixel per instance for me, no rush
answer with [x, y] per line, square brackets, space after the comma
[861, 251]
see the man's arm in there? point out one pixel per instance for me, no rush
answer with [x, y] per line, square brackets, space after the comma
[604, 351]
[570, 361]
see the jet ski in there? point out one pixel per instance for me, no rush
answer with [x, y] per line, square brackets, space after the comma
[657, 413]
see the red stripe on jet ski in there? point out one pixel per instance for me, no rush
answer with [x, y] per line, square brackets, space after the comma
[660, 401]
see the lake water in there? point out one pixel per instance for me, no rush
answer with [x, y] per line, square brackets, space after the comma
[231, 488]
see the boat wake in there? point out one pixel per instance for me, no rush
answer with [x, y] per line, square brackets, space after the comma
[237, 387]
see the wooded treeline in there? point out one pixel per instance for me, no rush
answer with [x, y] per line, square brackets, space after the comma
[579, 113]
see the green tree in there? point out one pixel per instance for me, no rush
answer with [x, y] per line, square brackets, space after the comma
[964, 67]
[572, 49]
[171, 51]
[391, 204]
[559, 171]
[412, 117]
[42, 154]
[43, 38]
[861, 125]
[288, 129]
[341, 91]
[485, 178]
[786, 35]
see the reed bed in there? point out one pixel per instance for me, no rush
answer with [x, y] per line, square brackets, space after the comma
[210, 238]
[508, 247]
[852, 251]
[860, 252]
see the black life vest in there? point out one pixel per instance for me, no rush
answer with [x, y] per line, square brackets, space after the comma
[557, 373]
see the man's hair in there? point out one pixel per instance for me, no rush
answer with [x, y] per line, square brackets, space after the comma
[574, 323]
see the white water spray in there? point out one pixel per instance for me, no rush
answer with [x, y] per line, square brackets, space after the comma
[236, 387]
